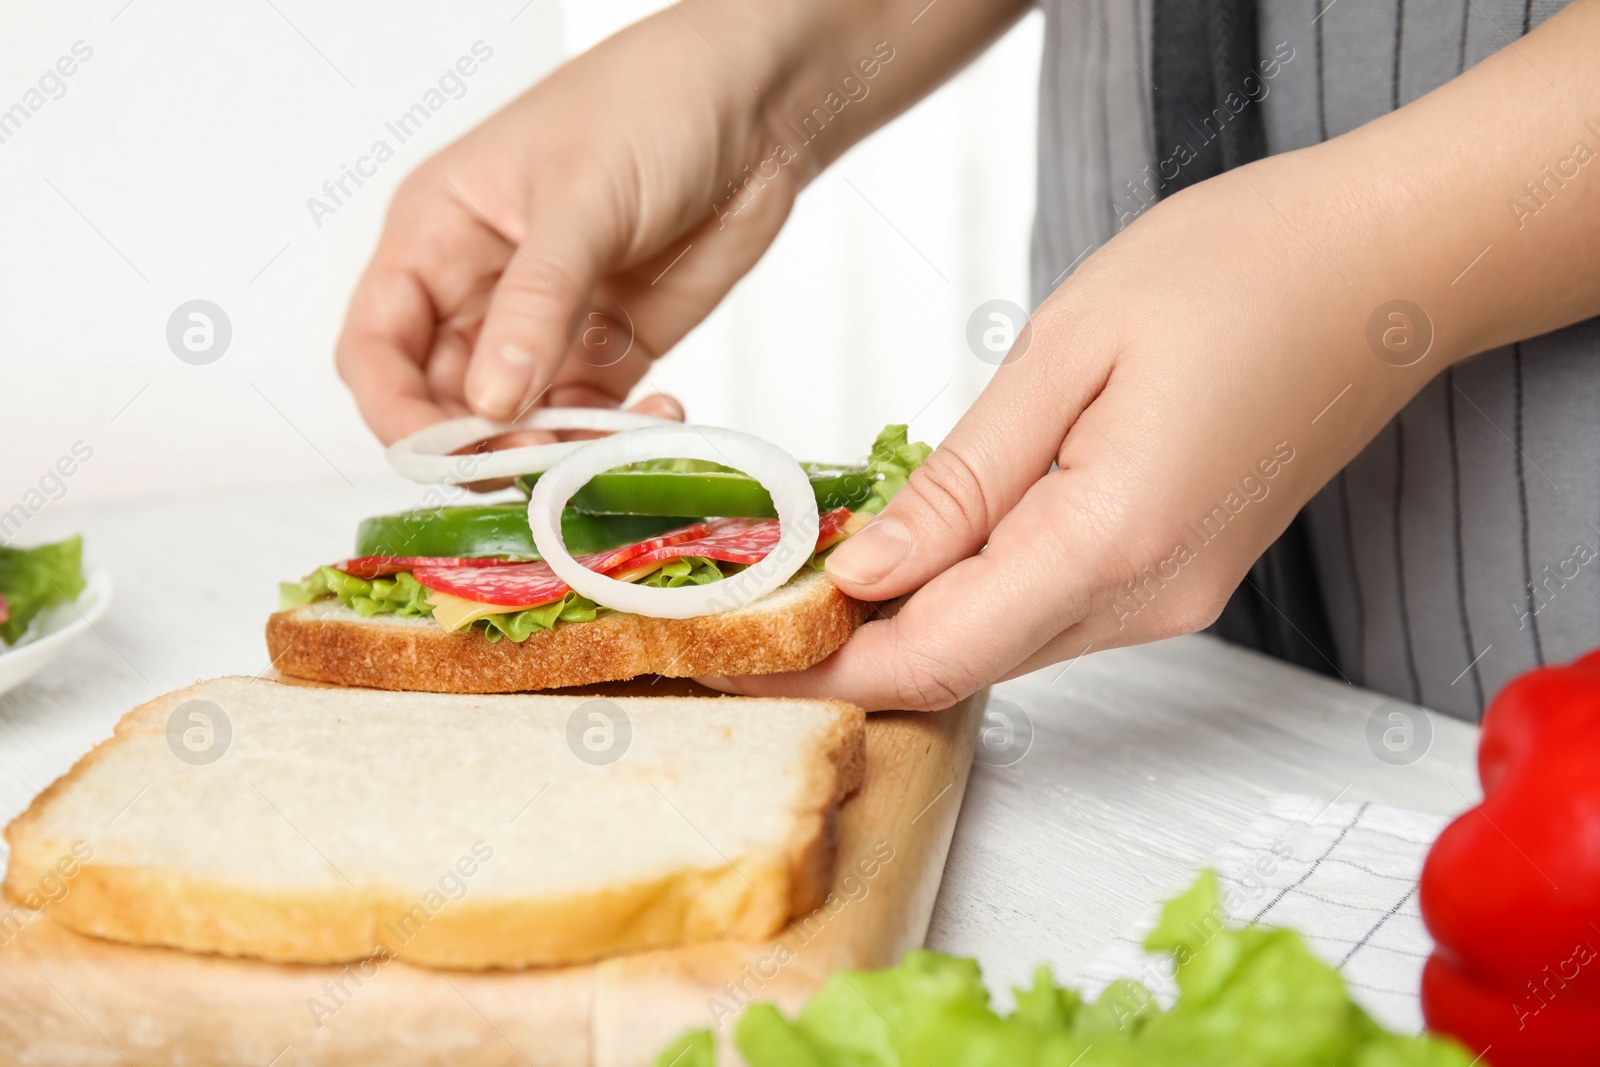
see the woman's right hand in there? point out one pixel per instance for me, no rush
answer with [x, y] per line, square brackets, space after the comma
[584, 190]
[647, 174]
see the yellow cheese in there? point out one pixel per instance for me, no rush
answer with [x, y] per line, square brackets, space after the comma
[851, 526]
[454, 612]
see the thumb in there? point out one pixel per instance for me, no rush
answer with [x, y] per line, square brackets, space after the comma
[951, 503]
[550, 275]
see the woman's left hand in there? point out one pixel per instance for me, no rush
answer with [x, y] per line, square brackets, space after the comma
[1202, 375]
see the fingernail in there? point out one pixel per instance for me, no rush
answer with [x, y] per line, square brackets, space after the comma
[498, 393]
[870, 555]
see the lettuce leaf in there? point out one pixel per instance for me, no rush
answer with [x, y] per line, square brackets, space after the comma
[1251, 997]
[399, 595]
[694, 1049]
[685, 570]
[521, 625]
[892, 460]
[32, 579]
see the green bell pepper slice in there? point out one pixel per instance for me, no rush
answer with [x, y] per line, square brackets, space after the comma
[500, 530]
[709, 492]
[696, 487]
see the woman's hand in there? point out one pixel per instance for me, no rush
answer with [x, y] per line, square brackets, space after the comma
[583, 190]
[644, 175]
[1173, 380]
[1207, 371]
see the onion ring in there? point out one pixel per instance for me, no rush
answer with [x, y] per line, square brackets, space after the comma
[777, 471]
[426, 456]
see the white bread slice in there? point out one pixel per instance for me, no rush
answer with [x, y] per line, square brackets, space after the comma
[790, 629]
[449, 831]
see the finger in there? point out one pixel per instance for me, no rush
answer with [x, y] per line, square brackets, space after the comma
[970, 624]
[659, 405]
[387, 333]
[554, 270]
[447, 366]
[578, 384]
[1005, 443]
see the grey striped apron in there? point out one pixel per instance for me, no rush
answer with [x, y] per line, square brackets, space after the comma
[1462, 546]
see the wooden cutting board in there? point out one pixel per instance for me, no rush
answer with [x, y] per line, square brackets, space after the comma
[68, 999]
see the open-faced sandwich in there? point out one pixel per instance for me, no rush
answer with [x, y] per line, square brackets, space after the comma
[663, 549]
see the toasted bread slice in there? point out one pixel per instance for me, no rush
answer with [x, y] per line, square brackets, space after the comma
[450, 831]
[790, 629]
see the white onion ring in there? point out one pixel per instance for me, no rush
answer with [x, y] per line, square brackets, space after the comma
[777, 472]
[425, 456]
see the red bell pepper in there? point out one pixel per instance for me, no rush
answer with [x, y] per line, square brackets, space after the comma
[1511, 890]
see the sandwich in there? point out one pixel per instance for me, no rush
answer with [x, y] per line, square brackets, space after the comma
[661, 550]
[311, 824]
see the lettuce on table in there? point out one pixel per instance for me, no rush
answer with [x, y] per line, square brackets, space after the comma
[32, 579]
[1252, 997]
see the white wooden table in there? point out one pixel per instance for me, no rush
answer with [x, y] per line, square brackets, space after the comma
[1142, 761]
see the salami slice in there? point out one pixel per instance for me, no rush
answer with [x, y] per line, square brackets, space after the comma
[742, 541]
[370, 567]
[528, 584]
[613, 558]
[513, 585]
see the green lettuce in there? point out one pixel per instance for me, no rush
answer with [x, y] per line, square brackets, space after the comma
[1252, 997]
[400, 594]
[32, 579]
[892, 460]
[685, 570]
[520, 625]
[696, 1048]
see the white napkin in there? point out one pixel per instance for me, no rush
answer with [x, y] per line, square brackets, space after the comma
[1344, 875]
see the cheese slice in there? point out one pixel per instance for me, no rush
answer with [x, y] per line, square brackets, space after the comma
[455, 613]
[851, 526]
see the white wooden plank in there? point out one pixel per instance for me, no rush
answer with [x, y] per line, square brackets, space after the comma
[1144, 761]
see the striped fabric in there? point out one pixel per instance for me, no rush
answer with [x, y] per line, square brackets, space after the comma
[1456, 550]
[1344, 875]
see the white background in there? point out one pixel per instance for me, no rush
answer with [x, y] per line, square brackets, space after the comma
[178, 162]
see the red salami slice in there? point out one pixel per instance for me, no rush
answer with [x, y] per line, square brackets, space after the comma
[743, 541]
[370, 567]
[613, 558]
[513, 585]
[525, 584]
[5, 611]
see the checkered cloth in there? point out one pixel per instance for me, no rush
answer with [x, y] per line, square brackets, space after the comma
[1344, 875]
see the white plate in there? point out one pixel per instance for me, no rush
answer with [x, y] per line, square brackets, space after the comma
[52, 630]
